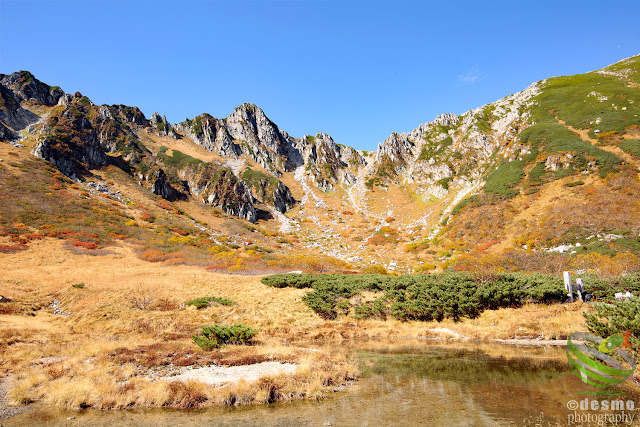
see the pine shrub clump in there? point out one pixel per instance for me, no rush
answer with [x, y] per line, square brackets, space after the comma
[452, 295]
[217, 335]
[204, 302]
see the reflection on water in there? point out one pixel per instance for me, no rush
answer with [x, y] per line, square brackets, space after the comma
[426, 385]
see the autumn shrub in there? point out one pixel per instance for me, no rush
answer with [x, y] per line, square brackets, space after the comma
[141, 298]
[153, 255]
[180, 231]
[34, 236]
[374, 269]
[84, 245]
[167, 206]
[384, 236]
[146, 216]
[11, 249]
[316, 263]
[424, 268]
[607, 266]
[417, 246]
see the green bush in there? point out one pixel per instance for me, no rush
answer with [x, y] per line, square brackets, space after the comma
[203, 302]
[503, 180]
[78, 285]
[376, 309]
[177, 159]
[420, 297]
[605, 290]
[614, 318]
[538, 174]
[631, 146]
[216, 335]
[436, 297]
[572, 99]
[299, 281]
[551, 137]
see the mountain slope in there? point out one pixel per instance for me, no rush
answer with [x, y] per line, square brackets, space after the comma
[551, 165]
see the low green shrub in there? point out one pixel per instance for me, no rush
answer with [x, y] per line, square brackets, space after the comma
[631, 146]
[503, 180]
[422, 296]
[203, 302]
[551, 137]
[605, 290]
[78, 285]
[177, 159]
[376, 309]
[216, 335]
[614, 318]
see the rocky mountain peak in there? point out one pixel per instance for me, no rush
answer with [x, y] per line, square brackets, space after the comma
[162, 127]
[70, 141]
[26, 87]
[447, 119]
[249, 123]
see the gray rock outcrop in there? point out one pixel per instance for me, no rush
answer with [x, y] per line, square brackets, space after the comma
[71, 143]
[163, 188]
[27, 88]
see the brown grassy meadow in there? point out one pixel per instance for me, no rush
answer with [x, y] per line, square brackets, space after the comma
[129, 324]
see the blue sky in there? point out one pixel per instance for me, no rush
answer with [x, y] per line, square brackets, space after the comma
[357, 70]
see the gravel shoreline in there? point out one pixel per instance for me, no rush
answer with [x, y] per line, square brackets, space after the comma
[215, 375]
[561, 343]
[7, 411]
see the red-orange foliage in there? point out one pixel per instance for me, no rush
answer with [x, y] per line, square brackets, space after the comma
[10, 249]
[167, 206]
[19, 239]
[34, 236]
[485, 246]
[146, 216]
[384, 236]
[85, 245]
[153, 255]
[82, 234]
[180, 232]
[116, 236]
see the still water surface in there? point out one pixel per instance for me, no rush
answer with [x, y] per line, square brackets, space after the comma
[431, 385]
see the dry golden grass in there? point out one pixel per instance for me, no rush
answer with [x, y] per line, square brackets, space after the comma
[75, 383]
[533, 321]
[129, 320]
